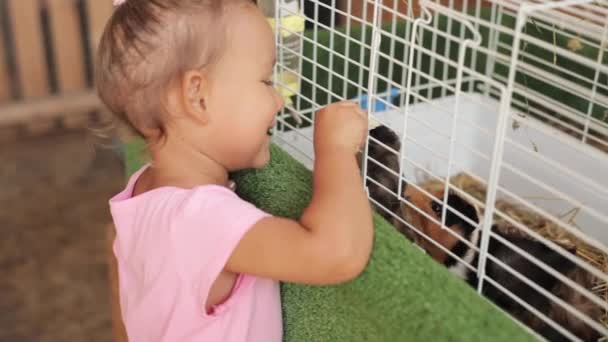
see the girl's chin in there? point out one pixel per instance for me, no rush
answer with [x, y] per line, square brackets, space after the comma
[263, 161]
[263, 157]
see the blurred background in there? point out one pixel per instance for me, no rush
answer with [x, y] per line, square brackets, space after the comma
[56, 172]
[55, 176]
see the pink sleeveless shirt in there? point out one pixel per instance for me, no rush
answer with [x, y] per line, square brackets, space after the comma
[171, 245]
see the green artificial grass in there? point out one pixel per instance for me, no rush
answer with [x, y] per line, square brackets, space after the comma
[403, 295]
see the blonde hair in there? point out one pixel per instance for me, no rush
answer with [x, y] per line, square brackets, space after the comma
[149, 44]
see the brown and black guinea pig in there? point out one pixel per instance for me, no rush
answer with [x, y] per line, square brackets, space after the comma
[418, 213]
[465, 227]
[458, 229]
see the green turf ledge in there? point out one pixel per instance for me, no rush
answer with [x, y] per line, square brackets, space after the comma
[403, 295]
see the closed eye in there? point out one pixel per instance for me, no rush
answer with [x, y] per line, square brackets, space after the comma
[269, 83]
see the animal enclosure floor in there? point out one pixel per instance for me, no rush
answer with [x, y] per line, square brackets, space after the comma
[53, 216]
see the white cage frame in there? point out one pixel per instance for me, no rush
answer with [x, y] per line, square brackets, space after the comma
[574, 139]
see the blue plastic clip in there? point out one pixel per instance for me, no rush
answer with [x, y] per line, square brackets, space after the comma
[379, 106]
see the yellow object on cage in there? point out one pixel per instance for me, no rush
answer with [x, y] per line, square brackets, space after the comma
[291, 24]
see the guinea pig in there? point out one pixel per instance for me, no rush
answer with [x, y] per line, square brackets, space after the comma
[385, 185]
[419, 213]
[458, 229]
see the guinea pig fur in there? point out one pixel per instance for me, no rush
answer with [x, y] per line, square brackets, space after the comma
[459, 229]
[385, 185]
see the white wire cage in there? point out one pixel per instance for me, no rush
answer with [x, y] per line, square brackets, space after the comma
[498, 106]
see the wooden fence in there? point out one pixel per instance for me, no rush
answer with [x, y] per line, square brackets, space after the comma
[47, 49]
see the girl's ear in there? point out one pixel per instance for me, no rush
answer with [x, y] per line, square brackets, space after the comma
[193, 90]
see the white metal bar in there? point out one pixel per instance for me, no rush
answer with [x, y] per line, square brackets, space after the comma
[590, 184]
[568, 307]
[391, 61]
[576, 58]
[448, 46]
[460, 69]
[406, 17]
[437, 222]
[570, 21]
[563, 278]
[559, 108]
[278, 40]
[406, 52]
[433, 61]
[364, 20]
[313, 108]
[315, 56]
[533, 310]
[562, 196]
[423, 235]
[362, 52]
[408, 88]
[556, 106]
[549, 5]
[295, 130]
[313, 41]
[332, 31]
[454, 64]
[551, 78]
[568, 31]
[446, 111]
[600, 58]
[371, 79]
[476, 52]
[576, 19]
[300, 64]
[426, 215]
[493, 39]
[440, 179]
[325, 69]
[557, 248]
[347, 46]
[548, 64]
[361, 66]
[498, 153]
[293, 146]
[583, 237]
[474, 28]
[564, 53]
[419, 55]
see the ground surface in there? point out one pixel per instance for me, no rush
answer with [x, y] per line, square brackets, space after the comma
[53, 215]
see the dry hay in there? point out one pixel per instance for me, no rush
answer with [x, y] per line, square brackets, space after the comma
[535, 222]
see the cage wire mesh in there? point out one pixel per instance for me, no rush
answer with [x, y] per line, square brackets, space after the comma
[492, 147]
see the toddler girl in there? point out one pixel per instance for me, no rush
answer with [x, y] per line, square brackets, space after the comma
[195, 262]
